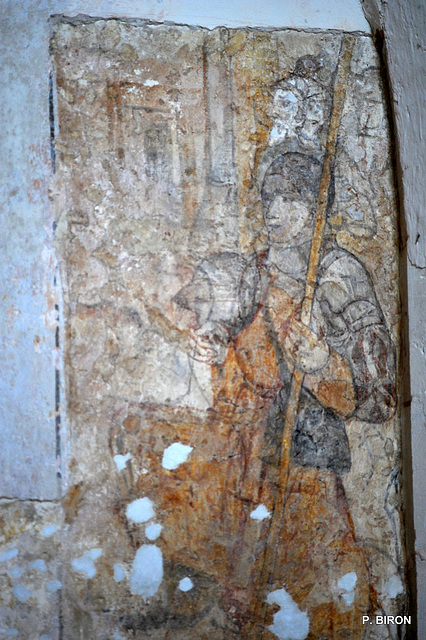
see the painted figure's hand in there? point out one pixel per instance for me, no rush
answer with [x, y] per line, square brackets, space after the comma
[307, 351]
[208, 344]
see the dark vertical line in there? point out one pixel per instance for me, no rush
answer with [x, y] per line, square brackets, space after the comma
[60, 607]
[52, 123]
[58, 425]
[57, 399]
[57, 366]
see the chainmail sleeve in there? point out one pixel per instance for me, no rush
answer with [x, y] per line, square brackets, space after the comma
[356, 328]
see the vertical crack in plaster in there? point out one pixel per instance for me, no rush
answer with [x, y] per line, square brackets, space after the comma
[52, 123]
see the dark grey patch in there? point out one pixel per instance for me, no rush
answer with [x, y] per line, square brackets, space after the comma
[320, 440]
[319, 437]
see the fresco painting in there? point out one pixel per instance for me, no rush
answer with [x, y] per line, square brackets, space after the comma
[226, 223]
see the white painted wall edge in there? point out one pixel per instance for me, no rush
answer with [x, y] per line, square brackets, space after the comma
[346, 15]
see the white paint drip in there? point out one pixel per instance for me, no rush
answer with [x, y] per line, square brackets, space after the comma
[152, 531]
[86, 563]
[260, 513]
[175, 455]
[147, 571]
[394, 587]
[140, 510]
[186, 584]
[49, 530]
[8, 555]
[21, 592]
[290, 623]
[347, 584]
[150, 83]
[53, 586]
[11, 633]
[120, 461]
[119, 572]
[38, 565]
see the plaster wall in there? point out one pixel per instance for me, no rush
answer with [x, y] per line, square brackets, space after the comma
[30, 442]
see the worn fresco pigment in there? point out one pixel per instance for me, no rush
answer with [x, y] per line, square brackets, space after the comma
[30, 569]
[190, 166]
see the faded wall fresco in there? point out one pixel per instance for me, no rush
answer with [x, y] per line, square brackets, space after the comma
[227, 235]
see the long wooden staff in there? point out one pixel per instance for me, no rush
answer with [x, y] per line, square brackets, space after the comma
[297, 377]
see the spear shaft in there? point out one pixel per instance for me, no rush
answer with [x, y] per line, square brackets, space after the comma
[277, 518]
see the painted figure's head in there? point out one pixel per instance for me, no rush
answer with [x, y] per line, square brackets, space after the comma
[223, 295]
[301, 105]
[289, 198]
[221, 291]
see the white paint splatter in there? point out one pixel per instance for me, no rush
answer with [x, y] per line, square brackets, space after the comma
[43, 637]
[347, 584]
[152, 531]
[53, 586]
[17, 572]
[348, 581]
[11, 633]
[86, 563]
[260, 513]
[38, 565]
[147, 571]
[119, 572]
[49, 530]
[21, 592]
[120, 461]
[394, 586]
[290, 623]
[140, 510]
[175, 455]
[150, 83]
[8, 555]
[186, 584]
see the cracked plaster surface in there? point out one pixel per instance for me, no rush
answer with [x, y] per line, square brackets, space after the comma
[162, 181]
[415, 262]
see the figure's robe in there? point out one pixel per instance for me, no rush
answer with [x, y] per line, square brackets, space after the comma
[207, 505]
